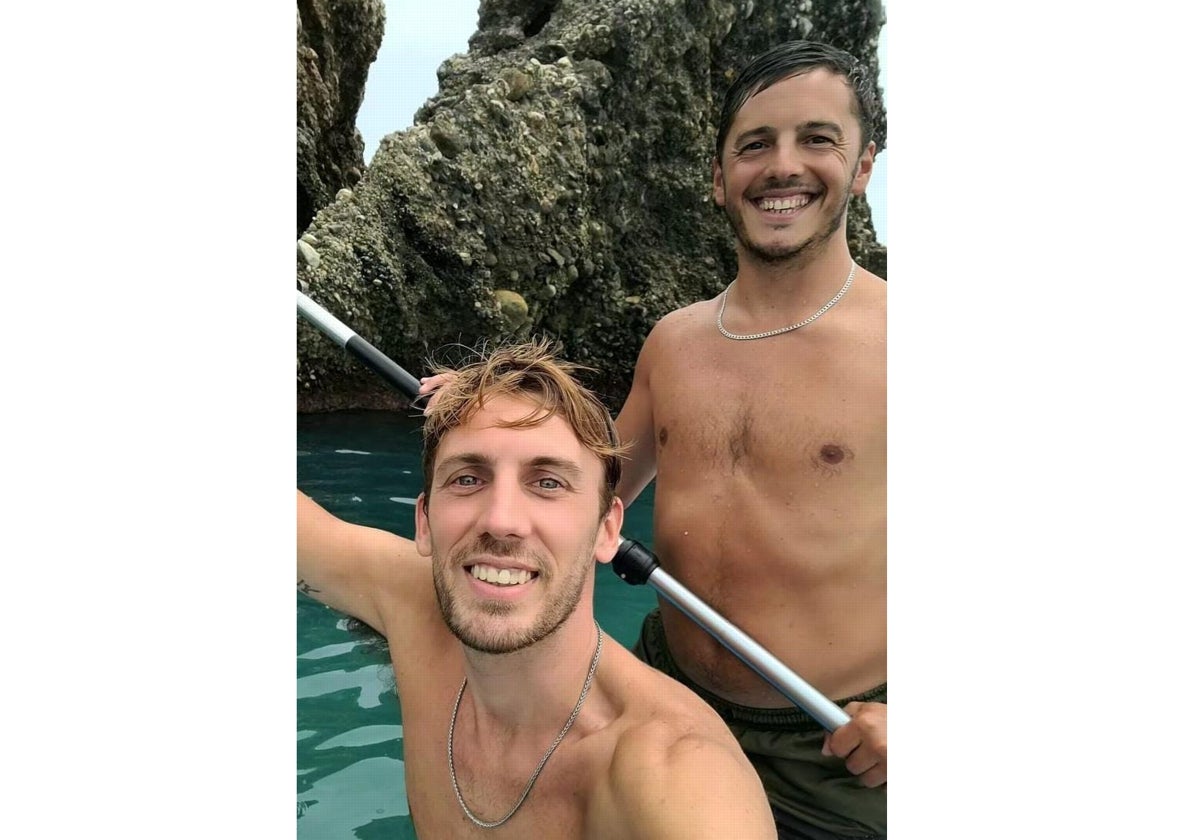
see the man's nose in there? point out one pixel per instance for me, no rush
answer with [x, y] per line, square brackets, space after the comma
[786, 161]
[506, 510]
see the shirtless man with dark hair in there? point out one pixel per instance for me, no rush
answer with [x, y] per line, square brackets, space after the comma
[763, 413]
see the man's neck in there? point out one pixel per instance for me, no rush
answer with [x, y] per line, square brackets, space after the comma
[532, 691]
[792, 288]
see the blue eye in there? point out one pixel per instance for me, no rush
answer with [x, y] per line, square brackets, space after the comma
[549, 484]
[465, 481]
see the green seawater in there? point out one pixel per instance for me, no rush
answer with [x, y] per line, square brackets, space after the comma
[366, 468]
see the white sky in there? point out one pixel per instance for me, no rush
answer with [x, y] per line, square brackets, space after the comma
[418, 37]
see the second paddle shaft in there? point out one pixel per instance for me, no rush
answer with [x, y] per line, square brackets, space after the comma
[634, 563]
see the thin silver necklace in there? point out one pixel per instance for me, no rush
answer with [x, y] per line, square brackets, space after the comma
[587, 684]
[808, 320]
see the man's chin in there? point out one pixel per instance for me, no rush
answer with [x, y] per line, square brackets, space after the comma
[775, 254]
[494, 642]
[497, 629]
[495, 647]
[778, 253]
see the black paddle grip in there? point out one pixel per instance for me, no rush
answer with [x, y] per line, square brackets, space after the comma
[634, 562]
[396, 376]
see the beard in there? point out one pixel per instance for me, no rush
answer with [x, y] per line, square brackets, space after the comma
[787, 252]
[464, 623]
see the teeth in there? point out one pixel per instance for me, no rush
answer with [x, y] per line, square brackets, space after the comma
[500, 577]
[790, 203]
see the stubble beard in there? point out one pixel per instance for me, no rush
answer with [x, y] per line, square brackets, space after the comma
[801, 253]
[560, 604]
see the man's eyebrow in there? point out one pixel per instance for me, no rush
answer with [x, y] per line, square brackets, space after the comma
[809, 127]
[819, 125]
[464, 459]
[761, 131]
[562, 465]
[476, 459]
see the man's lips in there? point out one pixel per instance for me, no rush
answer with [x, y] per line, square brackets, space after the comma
[501, 572]
[783, 203]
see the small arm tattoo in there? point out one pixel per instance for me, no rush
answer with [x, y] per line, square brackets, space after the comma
[303, 586]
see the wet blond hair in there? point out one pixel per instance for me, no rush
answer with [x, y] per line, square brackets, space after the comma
[533, 372]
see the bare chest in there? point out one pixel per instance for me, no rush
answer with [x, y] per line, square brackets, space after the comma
[796, 406]
[489, 786]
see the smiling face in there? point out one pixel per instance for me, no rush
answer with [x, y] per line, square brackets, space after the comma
[513, 523]
[789, 166]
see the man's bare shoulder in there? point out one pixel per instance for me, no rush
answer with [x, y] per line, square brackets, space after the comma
[873, 291]
[677, 328]
[659, 712]
[676, 766]
[687, 317]
[863, 313]
[674, 777]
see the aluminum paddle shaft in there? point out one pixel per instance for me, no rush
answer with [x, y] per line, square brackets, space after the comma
[636, 564]
[360, 348]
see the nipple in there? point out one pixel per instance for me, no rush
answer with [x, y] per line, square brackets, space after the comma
[832, 454]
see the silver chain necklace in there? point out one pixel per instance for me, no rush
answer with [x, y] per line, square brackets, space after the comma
[808, 320]
[587, 684]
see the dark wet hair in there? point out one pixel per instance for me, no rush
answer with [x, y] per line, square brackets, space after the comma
[792, 59]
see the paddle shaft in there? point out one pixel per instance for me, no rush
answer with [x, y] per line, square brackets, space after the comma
[360, 348]
[634, 563]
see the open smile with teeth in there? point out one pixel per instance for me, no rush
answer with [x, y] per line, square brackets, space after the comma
[500, 577]
[783, 205]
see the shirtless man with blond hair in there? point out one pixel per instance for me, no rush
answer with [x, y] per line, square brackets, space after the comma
[520, 721]
[763, 413]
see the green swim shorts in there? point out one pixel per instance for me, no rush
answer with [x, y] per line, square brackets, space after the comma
[812, 796]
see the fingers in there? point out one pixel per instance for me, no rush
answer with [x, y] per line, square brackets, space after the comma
[862, 743]
[430, 385]
[868, 761]
[862, 760]
[875, 777]
[842, 741]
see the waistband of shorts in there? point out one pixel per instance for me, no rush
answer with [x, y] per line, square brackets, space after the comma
[654, 641]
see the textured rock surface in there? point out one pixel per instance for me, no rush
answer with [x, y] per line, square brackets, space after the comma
[558, 183]
[336, 41]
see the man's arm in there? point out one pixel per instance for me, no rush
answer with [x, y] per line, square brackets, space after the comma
[635, 426]
[351, 568]
[695, 789]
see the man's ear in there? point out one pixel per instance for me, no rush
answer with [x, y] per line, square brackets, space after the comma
[608, 538]
[718, 183]
[866, 164]
[424, 545]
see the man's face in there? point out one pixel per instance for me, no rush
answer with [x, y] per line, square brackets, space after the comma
[790, 165]
[519, 508]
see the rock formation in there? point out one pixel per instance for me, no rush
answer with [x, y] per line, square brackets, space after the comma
[336, 41]
[558, 183]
